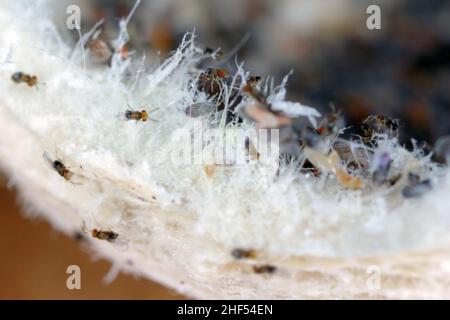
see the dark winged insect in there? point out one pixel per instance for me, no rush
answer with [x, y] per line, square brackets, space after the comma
[264, 117]
[379, 124]
[416, 187]
[107, 235]
[78, 236]
[217, 53]
[331, 124]
[136, 115]
[253, 92]
[200, 109]
[20, 77]
[58, 166]
[104, 234]
[266, 268]
[142, 115]
[382, 163]
[101, 50]
[309, 137]
[253, 80]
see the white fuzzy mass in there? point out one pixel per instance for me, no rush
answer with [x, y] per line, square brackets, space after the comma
[77, 114]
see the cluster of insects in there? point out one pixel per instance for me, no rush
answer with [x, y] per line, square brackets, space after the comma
[352, 163]
[102, 52]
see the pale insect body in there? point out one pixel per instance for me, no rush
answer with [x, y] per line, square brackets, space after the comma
[100, 50]
[416, 187]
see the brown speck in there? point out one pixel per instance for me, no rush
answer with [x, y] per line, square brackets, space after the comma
[266, 268]
[78, 236]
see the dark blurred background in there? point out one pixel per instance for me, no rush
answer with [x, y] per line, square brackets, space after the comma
[401, 70]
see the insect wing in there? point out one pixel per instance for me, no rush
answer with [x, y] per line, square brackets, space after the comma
[200, 109]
